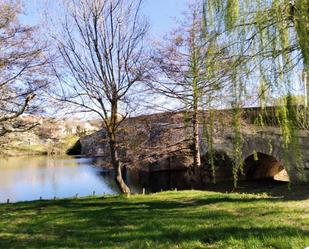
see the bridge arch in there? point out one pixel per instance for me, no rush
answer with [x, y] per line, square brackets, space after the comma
[264, 159]
[263, 166]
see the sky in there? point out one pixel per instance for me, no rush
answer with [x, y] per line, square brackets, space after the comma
[161, 13]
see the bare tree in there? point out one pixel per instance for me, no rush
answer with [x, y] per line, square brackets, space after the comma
[190, 70]
[102, 48]
[23, 69]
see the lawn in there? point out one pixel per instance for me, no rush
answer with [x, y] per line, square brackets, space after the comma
[183, 219]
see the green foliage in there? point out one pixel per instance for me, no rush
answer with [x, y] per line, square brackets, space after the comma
[270, 41]
[293, 148]
[255, 156]
[263, 95]
[300, 15]
[238, 161]
[282, 117]
[288, 121]
[232, 13]
[270, 147]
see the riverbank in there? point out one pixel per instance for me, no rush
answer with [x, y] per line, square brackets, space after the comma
[59, 146]
[183, 219]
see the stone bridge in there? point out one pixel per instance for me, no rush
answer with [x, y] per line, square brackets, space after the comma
[264, 156]
[160, 142]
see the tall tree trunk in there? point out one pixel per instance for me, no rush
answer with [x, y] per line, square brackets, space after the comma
[195, 71]
[113, 146]
[196, 140]
[117, 165]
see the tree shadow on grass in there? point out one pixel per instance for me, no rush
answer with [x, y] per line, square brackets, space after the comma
[126, 204]
[273, 188]
[112, 223]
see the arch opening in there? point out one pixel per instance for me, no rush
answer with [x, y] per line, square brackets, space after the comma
[263, 166]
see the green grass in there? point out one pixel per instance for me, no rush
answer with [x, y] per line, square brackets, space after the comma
[184, 219]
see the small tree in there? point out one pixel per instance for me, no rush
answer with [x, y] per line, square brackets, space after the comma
[23, 69]
[102, 48]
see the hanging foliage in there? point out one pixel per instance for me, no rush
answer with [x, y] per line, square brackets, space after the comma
[209, 135]
[268, 45]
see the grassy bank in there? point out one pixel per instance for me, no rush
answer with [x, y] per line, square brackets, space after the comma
[57, 147]
[187, 219]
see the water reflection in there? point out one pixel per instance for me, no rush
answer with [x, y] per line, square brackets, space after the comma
[28, 178]
[161, 180]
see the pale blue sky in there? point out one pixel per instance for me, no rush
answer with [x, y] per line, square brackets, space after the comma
[161, 13]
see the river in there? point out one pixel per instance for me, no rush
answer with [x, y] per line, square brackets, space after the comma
[29, 178]
[35, 177]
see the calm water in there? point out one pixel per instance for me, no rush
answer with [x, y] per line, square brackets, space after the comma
[28, 178]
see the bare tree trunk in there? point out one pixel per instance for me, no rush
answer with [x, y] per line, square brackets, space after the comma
[117, 165]
[196, 140]
[113, 145]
